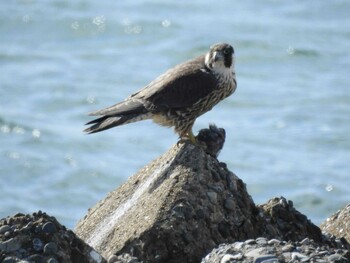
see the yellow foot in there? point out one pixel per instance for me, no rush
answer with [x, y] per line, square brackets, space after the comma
[192, 138]
[188, 137]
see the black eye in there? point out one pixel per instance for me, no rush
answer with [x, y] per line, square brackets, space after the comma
[228, 51]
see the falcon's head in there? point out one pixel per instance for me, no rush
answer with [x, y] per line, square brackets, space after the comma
[220, 57]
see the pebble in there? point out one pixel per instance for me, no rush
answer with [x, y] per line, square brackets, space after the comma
[178, 211]
[230, 182]
[305, 241]
[335, 258]
[200, 213]
[229, 204]
[112, 259]
[50, 248]
[28, 226]
[36, 258]
[37, 244]
[96, 257]
[9, 260]
[238, 245]
[298, 256]
[255, 252]
[250, 241]
[283, 202]
[261, 250]
[215, 175]
[49, 228]
[261, 241]
[4, 229]
[274, 242]
[123, 258]
[10, 245]
[227, 259]
[39, 238]
[238, 256]
[52, 260]
[213, 196]
[266, 259]
[287, 248]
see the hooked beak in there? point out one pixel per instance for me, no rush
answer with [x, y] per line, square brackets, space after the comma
[217, 56]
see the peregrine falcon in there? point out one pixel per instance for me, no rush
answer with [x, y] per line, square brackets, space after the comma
[177, 97]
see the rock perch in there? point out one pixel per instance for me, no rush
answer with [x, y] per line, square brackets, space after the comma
[175, 209]
[181, 206]
[40, 238]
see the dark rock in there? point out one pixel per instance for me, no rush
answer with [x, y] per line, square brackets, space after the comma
[213, 196]
[4, 229]
[212, 139]
[274, 241]
[273, 251]
[261, 241]
[338, 224]
[305, 241]
[49, 228]
[36, 258]
[9, 260]
[288, 248]
[186, 203]
[10, 245]
[177, 209]
[28, 226]
[266, 259]
[28, 240]
[229, 204]
[172, 210]
[250, 241]
[50, 248]
[123, 258]
[37, 244]
[336, 258]
[279, 219]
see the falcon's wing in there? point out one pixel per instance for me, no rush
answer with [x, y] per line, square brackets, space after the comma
[179, 87]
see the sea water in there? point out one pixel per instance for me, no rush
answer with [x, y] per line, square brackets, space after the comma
[287, 125]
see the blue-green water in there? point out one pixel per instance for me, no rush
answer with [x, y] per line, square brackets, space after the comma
[287, 125]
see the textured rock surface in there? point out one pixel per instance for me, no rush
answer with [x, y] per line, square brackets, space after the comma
[279, 219]
[180, 207]
[338, 224]
[212, 140]
[175, 209]
[40, 238]
[263, 250]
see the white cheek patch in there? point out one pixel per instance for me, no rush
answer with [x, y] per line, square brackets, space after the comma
[214, 56]
[213, 61]
[207, 59]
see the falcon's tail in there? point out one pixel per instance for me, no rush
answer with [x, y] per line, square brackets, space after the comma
[116, 115]
[107, 122]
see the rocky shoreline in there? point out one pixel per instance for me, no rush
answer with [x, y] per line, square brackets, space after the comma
[185, 206]
[41, 238]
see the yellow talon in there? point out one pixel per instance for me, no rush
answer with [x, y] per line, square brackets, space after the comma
[188, 137]
[192, 138]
